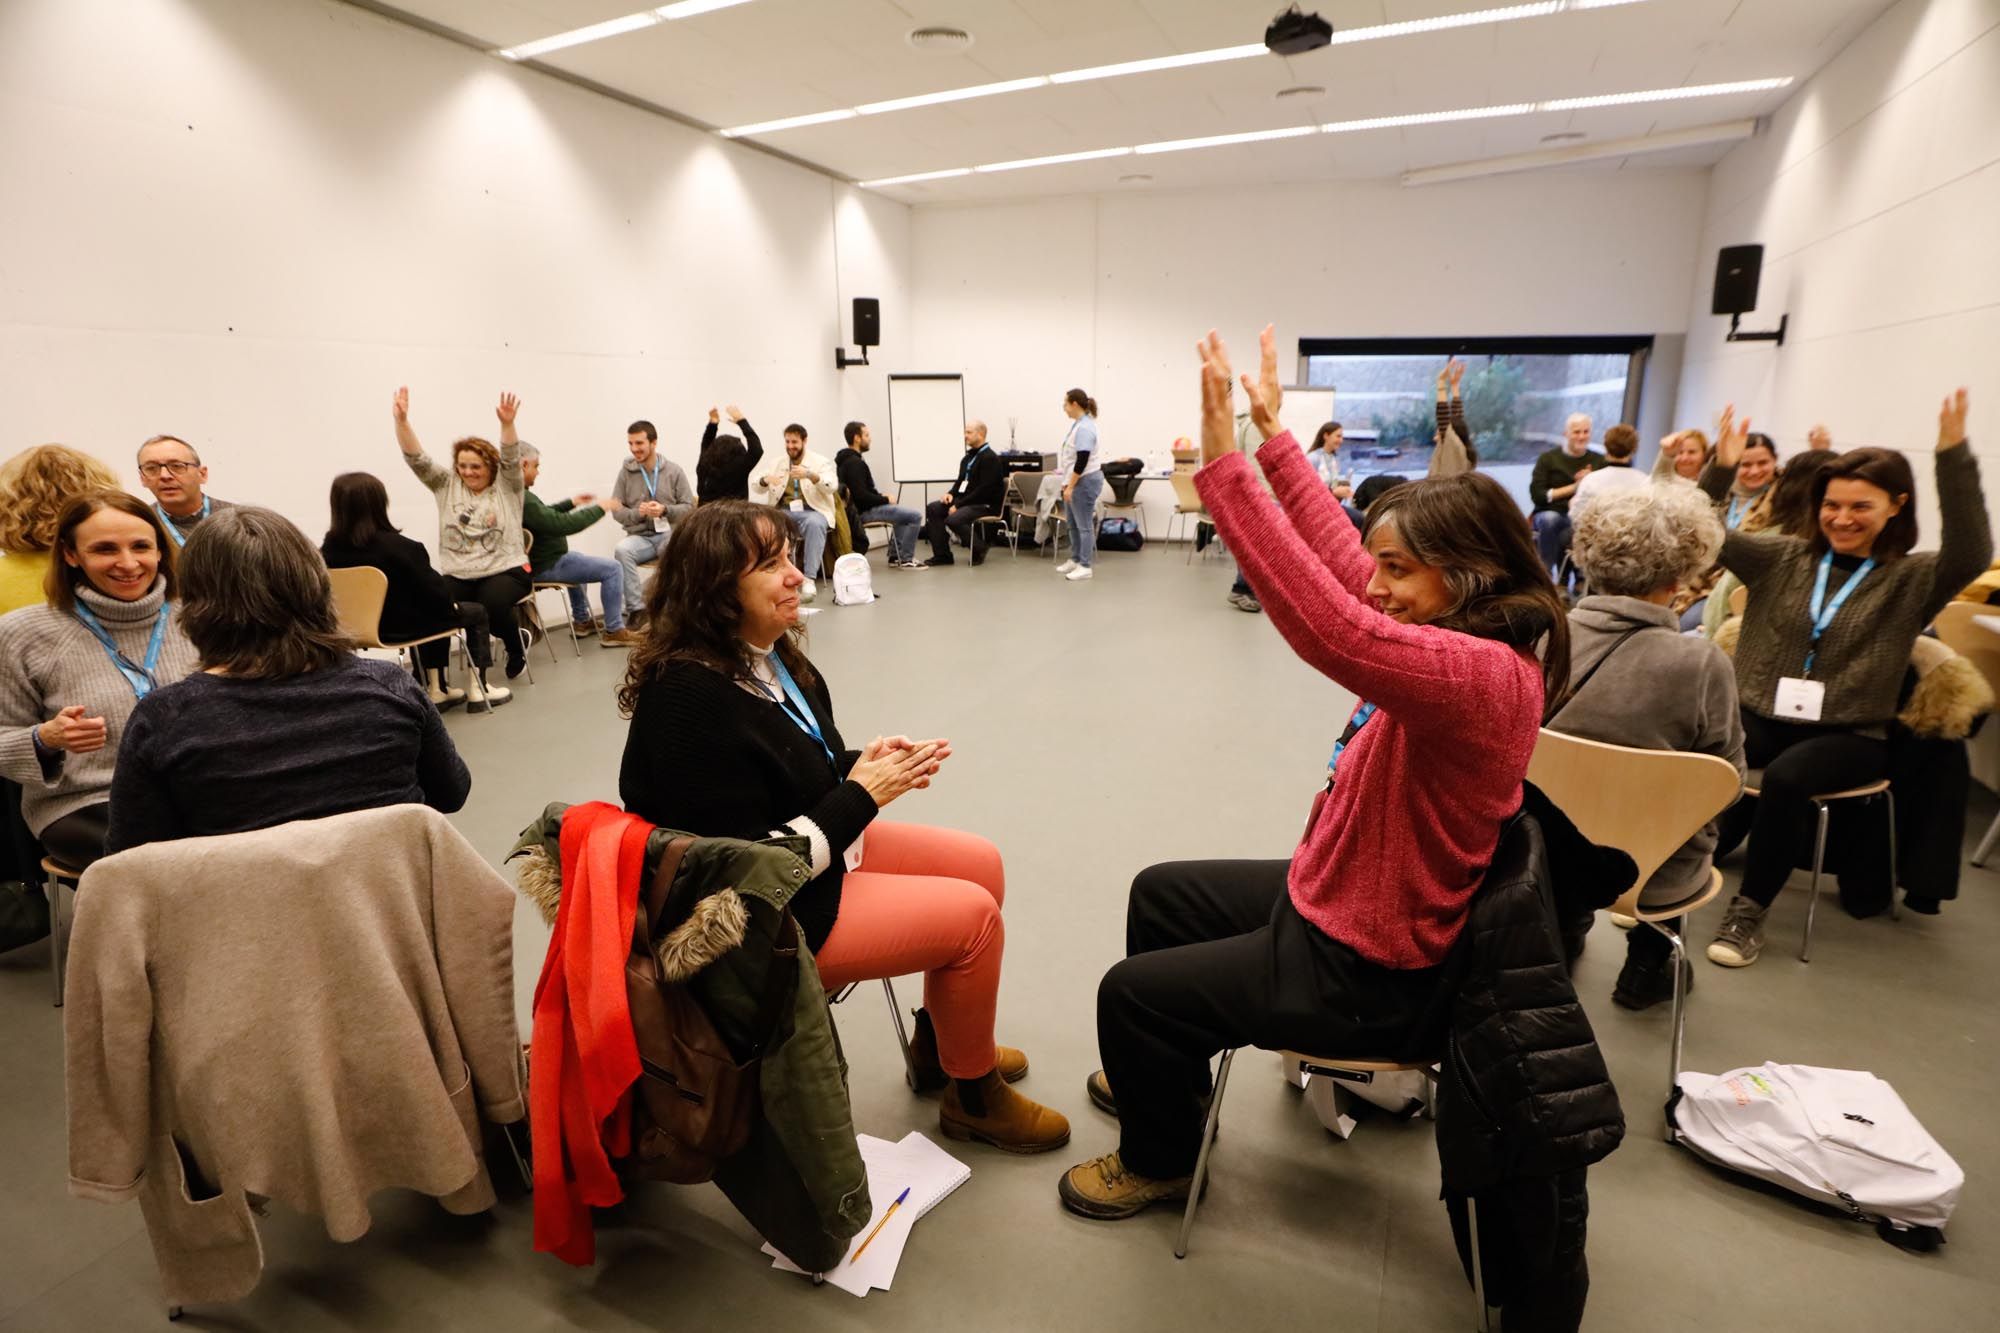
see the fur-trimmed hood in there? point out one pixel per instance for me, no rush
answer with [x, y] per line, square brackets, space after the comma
[1949, 697]
[715, 925]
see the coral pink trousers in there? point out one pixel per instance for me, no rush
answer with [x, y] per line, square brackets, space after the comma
[926, 900]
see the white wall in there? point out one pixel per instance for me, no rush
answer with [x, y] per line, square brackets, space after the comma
[248, 221]
[1110, 292]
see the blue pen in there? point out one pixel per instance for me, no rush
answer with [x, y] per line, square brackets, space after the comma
[883, 1223]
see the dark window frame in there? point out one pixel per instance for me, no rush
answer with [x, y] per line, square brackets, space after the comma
[1637, 347]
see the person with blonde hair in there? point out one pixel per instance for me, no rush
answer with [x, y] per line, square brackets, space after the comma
[35, 486]
[1638, 681]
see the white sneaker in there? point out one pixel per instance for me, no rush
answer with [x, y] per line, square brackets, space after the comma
[1079, 574]
[809, 591]
[1067, 566]
[1620, 920]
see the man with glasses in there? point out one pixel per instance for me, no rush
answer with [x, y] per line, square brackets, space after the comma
[171, 469]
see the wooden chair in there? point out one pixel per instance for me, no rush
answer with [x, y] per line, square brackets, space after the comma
[1957, 627]
[54, 875]
[1739, 597]
[1187, 503]
[358, 595]
[1822, 804]
[535, 599]
[1646, 803]
[1022, 489]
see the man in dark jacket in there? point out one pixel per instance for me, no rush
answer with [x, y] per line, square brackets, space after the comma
[979, 490]
[871, 504]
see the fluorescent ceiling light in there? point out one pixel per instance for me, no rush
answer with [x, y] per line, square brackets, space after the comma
[953, 95]
[578, 36]
[1665, 94]
[1443, 22]
[1211, 57]
[1056, 160]
[1727, 132]
[920, 176]
[617, 27]
[788, 123]
[1223, 140]
[1428, 118]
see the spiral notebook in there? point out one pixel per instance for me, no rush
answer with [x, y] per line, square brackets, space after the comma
[915, 1163]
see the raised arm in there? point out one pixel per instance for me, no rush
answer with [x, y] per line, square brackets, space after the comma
[428, 472]
[750, 440]
[1965, 547]
[510, 444]
[1747, 555]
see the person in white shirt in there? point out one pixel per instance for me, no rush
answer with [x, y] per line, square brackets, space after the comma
[807, 489]
[1616, 476]
[1083, 472]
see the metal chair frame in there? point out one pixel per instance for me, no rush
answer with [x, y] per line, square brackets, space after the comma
[54, 875]
[895, 1016]
[1823, 803]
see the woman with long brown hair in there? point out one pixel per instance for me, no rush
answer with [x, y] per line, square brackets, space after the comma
[733, 735]
[1432, 616]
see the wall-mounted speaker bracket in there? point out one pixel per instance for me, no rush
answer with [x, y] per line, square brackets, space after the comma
[1776, 335]
[841, 359]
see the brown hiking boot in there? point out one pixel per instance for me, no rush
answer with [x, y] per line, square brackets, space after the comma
[1098, 1087]
[621, 638]
[1104, 1189]
[929, 1075]
[990, 1111]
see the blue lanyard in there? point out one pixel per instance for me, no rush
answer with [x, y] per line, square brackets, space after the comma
[140, 678]
[1347, 735]
[796, 708]
[1824, 611]
[1736, 508]
[652, 480]
[174, 532]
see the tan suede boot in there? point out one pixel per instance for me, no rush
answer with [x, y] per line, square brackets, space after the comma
[988, 1110]
[928, 1072]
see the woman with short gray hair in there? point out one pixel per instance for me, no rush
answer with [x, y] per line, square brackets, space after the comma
[283, 721]
[1640, 682]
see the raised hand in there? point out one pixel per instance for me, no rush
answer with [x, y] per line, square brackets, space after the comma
[1218, 425]
[1951, 421]
[399, 406]
[735, 413]
[1454, 370]
[1266, 395]
[509, 406]
[1819, 437]
[1730, 437]
[714, 417]
[70, 730]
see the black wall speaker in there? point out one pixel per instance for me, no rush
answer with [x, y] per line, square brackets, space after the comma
[1736, 272]
[868, 319]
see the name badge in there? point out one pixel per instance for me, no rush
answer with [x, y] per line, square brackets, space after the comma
[660, 524]
[851, 858]
[797, 506]
[1800, 700]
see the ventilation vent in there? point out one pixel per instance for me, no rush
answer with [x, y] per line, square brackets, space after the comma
[1311, 92]
[945, 41]
[1566, 136]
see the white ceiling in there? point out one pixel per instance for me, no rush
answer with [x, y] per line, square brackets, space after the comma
[775, 58]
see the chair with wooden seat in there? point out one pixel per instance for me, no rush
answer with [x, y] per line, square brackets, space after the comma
[1823, 803]
[1645, 803]
[358, 595]
[1187, 504]
[54, 875]
[1023, 488]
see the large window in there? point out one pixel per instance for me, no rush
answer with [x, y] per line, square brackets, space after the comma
[1518, 394]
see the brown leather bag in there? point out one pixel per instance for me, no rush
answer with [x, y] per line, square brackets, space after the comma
[696, 1101]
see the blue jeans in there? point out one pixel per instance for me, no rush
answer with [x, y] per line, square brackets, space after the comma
[579, 570]
[641, 548]
[902, 537]
[812, 537]
[1081, 510]
[1552, 532]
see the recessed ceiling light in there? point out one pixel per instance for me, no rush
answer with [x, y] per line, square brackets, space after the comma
[1055, 160]
[946, 41]
[951, 95]
[1310, 91]
[597, 32]
[1224, 140]
[919, 176]
[1565, 136]
[788, 123]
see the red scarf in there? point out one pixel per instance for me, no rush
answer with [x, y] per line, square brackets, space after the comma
[583, 1059]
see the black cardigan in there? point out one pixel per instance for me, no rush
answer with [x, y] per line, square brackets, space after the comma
[706, 756]
[728, 477]
[419, 603]
[982, 479]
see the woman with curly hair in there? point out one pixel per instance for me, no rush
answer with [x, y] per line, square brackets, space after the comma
[481, 539]
[35, 486]
[1639, 681]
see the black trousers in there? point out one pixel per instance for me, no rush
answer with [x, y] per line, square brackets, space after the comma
[471, 619]
[963, 520]
[1217, 957]
[1800, 760]
[498, 593]
[24, 916]
[1648, 947]
[77, 839]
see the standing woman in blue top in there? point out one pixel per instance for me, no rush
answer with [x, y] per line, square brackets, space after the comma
[1078, 460]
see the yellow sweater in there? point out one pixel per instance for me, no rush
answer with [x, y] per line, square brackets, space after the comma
[21, 575]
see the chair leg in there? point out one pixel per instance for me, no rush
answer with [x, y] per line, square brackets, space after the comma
[56, 936]
[902, 1032]
[1895, 911]
[1812, 903]
[1478, 1274]
[520, 1162]
[1201, 1161]
[1679, 1034]
[1986, 843]
[528, 653]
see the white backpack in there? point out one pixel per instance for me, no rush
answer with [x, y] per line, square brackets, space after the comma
[853, 581]
[1839, 1136]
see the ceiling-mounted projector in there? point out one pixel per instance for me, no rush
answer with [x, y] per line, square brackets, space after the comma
[1293, 33]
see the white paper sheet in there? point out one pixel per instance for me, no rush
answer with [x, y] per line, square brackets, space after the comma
[927, 1171]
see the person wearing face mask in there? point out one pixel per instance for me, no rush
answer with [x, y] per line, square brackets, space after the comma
[480, 501]
[733, 735]
[1432, 616]
[73, 669]
[806, 490]
[1826, 637]
[170, 468]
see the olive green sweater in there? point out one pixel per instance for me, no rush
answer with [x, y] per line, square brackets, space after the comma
[1862, 655]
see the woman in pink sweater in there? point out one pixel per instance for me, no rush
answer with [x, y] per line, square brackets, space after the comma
[1433, 616]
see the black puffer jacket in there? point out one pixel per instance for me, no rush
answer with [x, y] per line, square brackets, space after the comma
[1524, 1090]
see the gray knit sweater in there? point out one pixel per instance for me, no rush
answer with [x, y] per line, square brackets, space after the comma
[49, 661]
[1864, 652]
